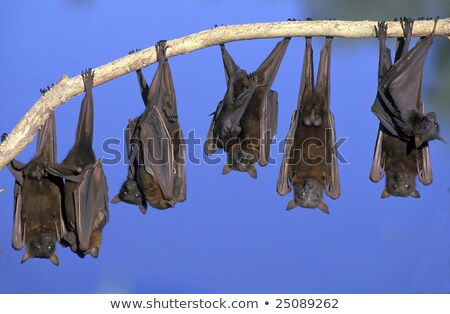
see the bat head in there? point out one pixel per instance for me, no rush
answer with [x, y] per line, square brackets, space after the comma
[427, 130]
[400, 184]
[240, 160]
[131, 193]
[308, 194]
[42, 246]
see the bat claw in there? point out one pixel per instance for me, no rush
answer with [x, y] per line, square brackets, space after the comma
[134, 51]
[4, 137]
[161, 48]
[88, 79]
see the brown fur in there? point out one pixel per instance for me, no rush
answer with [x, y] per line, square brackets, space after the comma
[400, 167]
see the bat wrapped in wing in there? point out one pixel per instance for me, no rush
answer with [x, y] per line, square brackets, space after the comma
[246, 120]
[38, 218]
[155, 145]
[85, 190]
[309, 159]
[399, 94]
[394, 154]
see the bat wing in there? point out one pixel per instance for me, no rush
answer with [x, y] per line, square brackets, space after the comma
[400, 90]
[334, 187]
[46, 142]
[91, 197]
[267, 71]
[16, 168]
[377, 169]
[283, 182]
[158, 151]
[132, 147]
[180, 173]
[226, 122]
[268, 126]
[265, 76]
[424, 170]
[18, 238]
[210, 145]
[228, 63]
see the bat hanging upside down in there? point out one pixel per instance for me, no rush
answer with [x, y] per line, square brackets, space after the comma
[38, 218]
[401, 148]
[309, 158]
[85, 190]
[155, 145]
[246, 120]
[399, 97]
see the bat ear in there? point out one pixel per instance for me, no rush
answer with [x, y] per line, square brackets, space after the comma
[115, 199]
[324, 207]
[441, 139]
[252, 172]
[54, 259]
[93, 251]
[292, 204]
[226, 169]
[25, 257]
[418, 141]
[415, 194]
[385, 194]
[143, 207]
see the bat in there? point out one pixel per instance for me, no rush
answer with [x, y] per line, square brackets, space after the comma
[155, 145]
[399, 90]
[395, 155]
[38, 219]
[86, 191]
[309, 156]
[246, 119]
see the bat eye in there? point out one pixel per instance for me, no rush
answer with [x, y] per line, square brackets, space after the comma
[426, 126]
[136, 195]
[436, 125]
[395, 185]
[406, 186]
[125, 192]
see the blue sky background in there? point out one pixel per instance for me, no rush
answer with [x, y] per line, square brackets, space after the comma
[232, 235]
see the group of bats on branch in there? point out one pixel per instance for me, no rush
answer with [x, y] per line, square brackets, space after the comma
[68, 202]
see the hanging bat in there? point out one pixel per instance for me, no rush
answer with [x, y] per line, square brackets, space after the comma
[401, 161]
[309, 158]
[400, 90]
[155, 145]
[246, 120]
[38, 220]
[86, 190]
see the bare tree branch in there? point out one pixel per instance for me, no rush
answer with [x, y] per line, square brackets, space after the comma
[68, 88]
